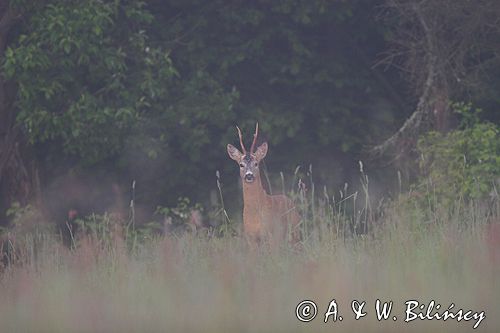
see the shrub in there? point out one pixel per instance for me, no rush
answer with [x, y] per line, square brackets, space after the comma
[463, 163]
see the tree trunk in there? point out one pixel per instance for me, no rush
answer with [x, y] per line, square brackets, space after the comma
[18, 174]
[441, 110]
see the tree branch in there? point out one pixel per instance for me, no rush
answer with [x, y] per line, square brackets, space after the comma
[413, 124]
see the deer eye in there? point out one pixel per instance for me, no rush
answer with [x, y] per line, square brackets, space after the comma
[242, 165]
[255, 164]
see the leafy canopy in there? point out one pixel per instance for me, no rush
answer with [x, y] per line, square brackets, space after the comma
[85, 73]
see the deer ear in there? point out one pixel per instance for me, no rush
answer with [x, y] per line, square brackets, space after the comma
[261, 151]
[234, 153]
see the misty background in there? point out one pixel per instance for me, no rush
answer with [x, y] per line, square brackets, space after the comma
[97, 94]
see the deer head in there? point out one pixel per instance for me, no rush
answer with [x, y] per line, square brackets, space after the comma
[248, 160]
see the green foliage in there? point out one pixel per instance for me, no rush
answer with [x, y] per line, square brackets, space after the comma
[464, 163]
[154, 89]
[181, 217]
[25, 219]
[290, 61]
[26, 231]
[85, 74]
[287, 64]
[18, 212]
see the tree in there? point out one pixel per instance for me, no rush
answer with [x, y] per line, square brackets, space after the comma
[84, 74]
[444, 49]
[18, 177]
[152, 91]
[302, 68]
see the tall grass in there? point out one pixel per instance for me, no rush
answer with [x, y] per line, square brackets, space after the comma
[111, 281]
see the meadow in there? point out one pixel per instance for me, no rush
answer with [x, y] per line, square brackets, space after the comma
[96, 95]
[113, 280]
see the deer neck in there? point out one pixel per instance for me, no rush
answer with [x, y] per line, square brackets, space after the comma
[253, 194]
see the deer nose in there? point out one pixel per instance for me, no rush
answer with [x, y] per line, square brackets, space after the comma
[249, 177]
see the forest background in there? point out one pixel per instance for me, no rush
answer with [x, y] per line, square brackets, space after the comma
[106, 101]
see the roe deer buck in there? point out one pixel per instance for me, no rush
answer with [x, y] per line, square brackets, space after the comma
[263, 214]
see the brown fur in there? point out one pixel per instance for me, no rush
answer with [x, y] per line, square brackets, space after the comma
[267, 215]
[273, 217]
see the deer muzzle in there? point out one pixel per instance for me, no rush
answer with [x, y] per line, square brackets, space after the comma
[249, 177]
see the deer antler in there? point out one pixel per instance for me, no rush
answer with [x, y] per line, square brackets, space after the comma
[241, 141]
[254, 138]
